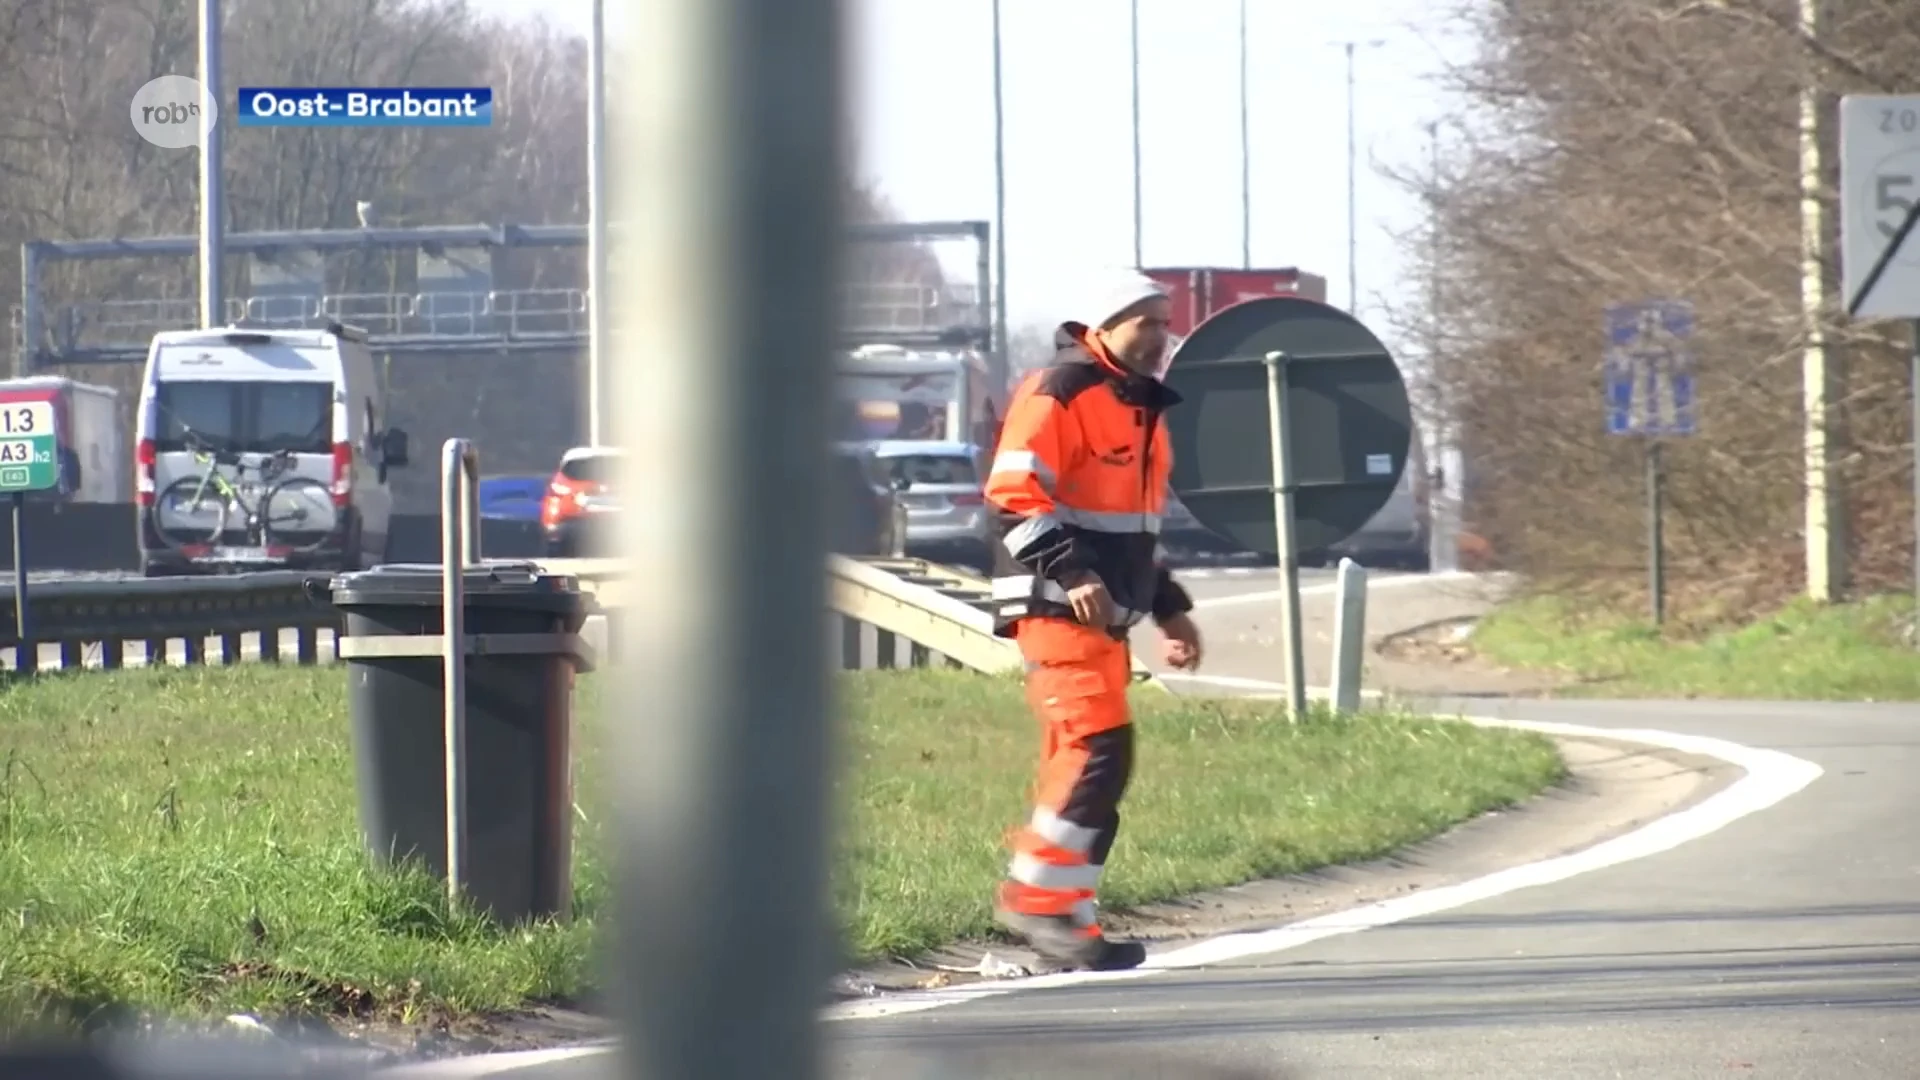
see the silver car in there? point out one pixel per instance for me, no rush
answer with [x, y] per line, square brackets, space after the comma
[941, 485]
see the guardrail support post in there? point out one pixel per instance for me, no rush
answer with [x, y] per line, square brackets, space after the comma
[459, 499]
[1349, 635]
[1280, 446]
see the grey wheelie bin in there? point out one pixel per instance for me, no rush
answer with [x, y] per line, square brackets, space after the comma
[522, 628]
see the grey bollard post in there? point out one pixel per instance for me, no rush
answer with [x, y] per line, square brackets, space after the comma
[1349, 635]
[459, 536]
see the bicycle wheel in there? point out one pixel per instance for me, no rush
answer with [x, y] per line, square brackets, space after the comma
[298, 514]
[188, 513]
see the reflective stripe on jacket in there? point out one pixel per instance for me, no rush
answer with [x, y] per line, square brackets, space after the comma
[1079, 483]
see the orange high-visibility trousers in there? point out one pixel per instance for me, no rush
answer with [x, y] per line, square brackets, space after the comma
[1076, 680]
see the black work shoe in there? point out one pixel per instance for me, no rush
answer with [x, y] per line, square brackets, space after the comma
[1057, 938]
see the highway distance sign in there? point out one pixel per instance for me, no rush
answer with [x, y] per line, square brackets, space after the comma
[29, 452]
[1879, 186]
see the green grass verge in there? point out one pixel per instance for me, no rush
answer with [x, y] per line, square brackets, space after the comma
[184, 840]
[1803, 652]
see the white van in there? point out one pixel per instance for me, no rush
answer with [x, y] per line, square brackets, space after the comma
[1397, 535]
[262, 449]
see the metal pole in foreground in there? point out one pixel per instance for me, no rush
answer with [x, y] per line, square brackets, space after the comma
[1914, 390]
[731, 152]
[459, 472]
[212, 302]
[597, 227]
[1278, 437]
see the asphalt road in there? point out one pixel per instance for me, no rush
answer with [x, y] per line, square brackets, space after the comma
[1786, 944]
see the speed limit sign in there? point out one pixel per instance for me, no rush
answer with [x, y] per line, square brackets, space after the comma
[1879, 189]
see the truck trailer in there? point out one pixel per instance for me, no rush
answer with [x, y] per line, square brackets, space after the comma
[95, 465]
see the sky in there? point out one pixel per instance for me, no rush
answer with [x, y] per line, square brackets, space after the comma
[923, 83]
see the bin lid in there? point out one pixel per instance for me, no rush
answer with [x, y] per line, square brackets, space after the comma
[512, 583]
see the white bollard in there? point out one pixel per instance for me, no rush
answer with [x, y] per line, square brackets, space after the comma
[1349, 635]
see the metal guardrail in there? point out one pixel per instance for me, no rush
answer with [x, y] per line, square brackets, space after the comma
[890, 613]
[214, 620]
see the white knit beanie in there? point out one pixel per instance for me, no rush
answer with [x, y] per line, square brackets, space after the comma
[1119, 291]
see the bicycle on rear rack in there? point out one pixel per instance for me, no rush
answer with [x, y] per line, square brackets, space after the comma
[275, 511]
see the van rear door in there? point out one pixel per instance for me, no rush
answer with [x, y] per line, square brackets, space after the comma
[252, 418]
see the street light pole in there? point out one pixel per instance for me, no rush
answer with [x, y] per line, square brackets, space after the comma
[1002, 361]
[597, 228]
[1246, 154]
[1353, 184]
[212, 240]
[1134, 24]
[1445, 491]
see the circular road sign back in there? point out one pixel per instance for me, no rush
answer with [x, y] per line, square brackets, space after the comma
[1348, 421]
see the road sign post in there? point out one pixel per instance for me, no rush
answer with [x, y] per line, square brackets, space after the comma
[1319, 389]
[29, 461]
[1649, 391]
[1879, 251]
[1283, 530]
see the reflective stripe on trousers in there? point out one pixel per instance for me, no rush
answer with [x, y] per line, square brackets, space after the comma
[1077, 679]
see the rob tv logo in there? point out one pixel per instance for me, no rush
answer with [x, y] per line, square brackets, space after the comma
[172, 111]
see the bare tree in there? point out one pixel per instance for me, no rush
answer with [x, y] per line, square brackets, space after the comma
[1637, 149]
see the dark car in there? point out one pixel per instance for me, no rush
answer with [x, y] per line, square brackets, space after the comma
[868, 516]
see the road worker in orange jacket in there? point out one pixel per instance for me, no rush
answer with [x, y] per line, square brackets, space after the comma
[1078, 485]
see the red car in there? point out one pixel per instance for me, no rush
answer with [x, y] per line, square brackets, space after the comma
[577, 515]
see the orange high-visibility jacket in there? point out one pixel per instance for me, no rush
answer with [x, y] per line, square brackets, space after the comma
[1079, 483]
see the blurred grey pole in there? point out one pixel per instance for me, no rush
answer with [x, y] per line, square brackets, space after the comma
[1134, 24]
[597, 404]
[1002, 361]
[1246, 154]
[730, 150]
[212, 302]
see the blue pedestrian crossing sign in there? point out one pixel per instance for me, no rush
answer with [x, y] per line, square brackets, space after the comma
[1649, 368]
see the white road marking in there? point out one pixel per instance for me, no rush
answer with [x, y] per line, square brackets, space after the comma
[1770, 776]
[1209, 573]
[477, 1065]
[1328, 586]
[1265, 687]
